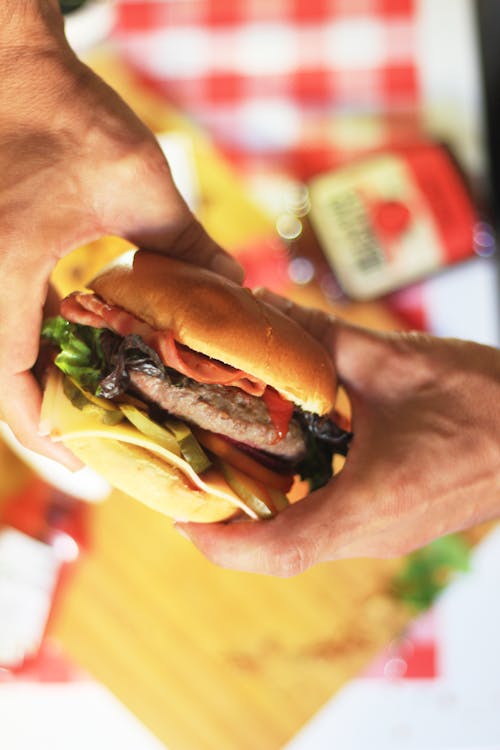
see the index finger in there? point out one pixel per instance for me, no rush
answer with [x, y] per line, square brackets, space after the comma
[21, 307]
[319, 324]
[20, 405]
[355, 351]
[154, 216]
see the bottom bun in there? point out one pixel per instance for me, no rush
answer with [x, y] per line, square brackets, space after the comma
[155, 483]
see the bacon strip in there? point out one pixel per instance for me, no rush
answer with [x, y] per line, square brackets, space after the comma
[200, 367]
[89, 309]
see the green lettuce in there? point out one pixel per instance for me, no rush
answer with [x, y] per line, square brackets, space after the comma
[81, 356]
[428, 570]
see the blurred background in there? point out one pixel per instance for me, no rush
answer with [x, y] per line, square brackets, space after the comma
[345, 151]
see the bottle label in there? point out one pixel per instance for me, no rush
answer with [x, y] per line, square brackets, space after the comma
[392, 219]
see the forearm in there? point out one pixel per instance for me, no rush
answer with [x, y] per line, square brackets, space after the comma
[27, 23]
[33, 50]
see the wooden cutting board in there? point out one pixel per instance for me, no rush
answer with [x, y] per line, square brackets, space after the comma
[211, 659]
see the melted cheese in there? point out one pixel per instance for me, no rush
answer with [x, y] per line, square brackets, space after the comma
[64, 423]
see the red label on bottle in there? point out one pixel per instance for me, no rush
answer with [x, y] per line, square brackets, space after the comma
[448, 200]
[390, 220]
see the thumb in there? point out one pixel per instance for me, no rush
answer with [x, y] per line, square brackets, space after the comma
[188, 241]
[357, 352]
[148, 210]
[284, 546]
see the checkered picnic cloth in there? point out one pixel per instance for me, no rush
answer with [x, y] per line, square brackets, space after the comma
[293, 85]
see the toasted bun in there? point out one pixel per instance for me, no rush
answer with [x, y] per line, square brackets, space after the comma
[145, 477]
[223, 320]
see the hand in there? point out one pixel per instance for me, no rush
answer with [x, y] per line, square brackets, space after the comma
[424, 460]
[76, 164]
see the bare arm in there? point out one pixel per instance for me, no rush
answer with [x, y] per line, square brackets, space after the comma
[76, 164]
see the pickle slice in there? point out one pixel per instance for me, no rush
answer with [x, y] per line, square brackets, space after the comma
[191, 450]
[280, 500]
[156, 432]
[86, 402]
[250, 491]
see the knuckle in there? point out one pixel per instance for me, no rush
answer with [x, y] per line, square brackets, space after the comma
[408, 356]
[289, 561]
[321, 324]
[151, 157]
[136, 158]
[190, 234]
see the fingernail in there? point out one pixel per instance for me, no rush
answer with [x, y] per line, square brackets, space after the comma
[265, 294]
[229, 267]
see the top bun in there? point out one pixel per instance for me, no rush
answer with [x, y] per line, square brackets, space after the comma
[217, 317]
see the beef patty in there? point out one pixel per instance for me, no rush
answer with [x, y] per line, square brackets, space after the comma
[222, 409]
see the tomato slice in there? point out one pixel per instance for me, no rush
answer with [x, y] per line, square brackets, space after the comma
[240, 460]
[280, 411]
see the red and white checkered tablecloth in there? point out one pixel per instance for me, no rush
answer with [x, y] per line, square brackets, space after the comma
[274, 80]
[292, 88]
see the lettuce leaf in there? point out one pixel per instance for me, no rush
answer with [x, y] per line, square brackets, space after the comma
[81, 356]
[99, 359]
[428, 570]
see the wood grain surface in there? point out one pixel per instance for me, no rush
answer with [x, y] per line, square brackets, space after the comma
[212, 659]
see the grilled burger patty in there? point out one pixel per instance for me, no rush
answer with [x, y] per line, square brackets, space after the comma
[221, 409]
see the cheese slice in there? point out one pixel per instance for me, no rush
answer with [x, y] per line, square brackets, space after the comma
[65, 422]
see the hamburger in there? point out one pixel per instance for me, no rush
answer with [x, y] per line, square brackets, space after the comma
[187, 392]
